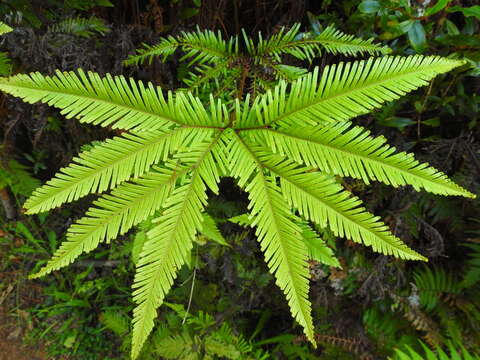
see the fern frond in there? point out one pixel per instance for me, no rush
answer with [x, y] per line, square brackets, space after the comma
[113, 214]
[472, 275]
[108, 164]
[306, 47]
[439, 354]
[4, 28]
[279, 236]
[5, 64]
[200, 46]
[336, 42]
[346, 90]
[320, 199]
[431, 283]
[80, 26]
[204, 74]
[317, 249]
[350, 151]
[289, 73]
[211, 231]
[108, 101]
[169, 242]
[178, 346]
[116, 322]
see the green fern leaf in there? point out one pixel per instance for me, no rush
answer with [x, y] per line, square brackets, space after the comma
[320, 199]
[346, 90]
[428, 354]
[4, 28]
[305, 47]
[5, 64]
[336, 42]
[338, 150]
[109, 164]
[109, 101]
[112, 215]
[80, 27]
[170, 241]
[283, 147]
[200, 47]
[317, 249]
[279, 236]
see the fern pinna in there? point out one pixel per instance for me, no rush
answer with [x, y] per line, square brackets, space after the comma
[284, 144]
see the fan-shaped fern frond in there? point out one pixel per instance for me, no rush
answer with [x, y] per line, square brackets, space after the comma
[200, 46]
[80, 26]
[346, 90]
[350, 151]
[109, 101]
[283, 147]
[4, 28]
[279, 236]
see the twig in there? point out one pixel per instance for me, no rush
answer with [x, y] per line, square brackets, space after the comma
[10, 211]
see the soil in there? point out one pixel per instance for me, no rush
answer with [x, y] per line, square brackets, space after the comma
[13, 327]
[11, 346]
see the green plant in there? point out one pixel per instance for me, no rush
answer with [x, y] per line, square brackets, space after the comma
[285, 148]
[80, 26]
[5, 62]
[439, 354]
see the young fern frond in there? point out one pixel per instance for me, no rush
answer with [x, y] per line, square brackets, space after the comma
[336, 42]
[346, 90]
[283, 147]
[305, 47]
[199, 47]
[204, 74]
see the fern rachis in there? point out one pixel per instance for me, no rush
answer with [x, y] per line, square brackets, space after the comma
[283, 146]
